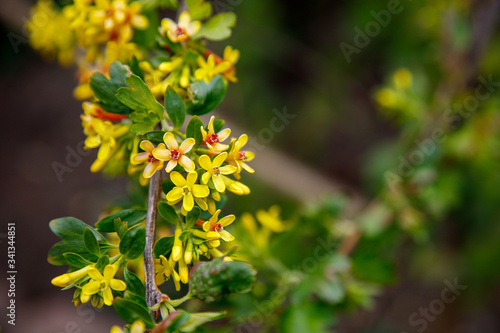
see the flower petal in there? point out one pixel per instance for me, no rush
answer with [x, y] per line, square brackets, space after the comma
[227, 220]
[108, 296]
[191, 178]
[228, 169]
[205, 177]
[95, 274]
[175, 194]
[247, 168]
[187, 145]
[188, 202]
[149, 171]
[219, 159]
[140, 158]
[226, 236]
[146, 145]
[170, 141]
[224, 134]
[171, 165]
[203, 205]
[91, 288]
[117, 285]
[110, 271]
[205, 162]
[200, 191]
[207, 226]
[161, 154]
[242, 140]
[219, 184]
[187, 163]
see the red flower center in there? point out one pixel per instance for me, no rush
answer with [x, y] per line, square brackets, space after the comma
[175, 154]
[214, 138]
[151, 158]
[242, 155]
[218, 227]
[180, 31]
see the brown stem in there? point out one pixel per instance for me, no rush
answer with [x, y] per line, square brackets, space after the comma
[153, 294]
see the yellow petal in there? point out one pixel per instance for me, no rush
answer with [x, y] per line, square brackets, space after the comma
[219, 159]
[191, 178]
[91, 288]
[110, 271]
[177, 178]
[95, 274]
[171, 165]
[140, 158]
[187, 163]
[205, 162]
[224, 134]
[227, 220]
[170, 141]
[242, 140]
[228, 169]
[149, 171]
[200, 191]
[146, 145]
[219, 183]
[203, 205]
[205, 177]
[117, 285]
[188, 202]
[226, 236]
[187, 145]
[108, 296]
[175, 194]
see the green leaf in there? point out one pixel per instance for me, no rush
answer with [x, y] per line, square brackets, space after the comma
[197, 319]
[76, 260]
[168, 213]
[75, 245]
[205, 97]
[184, 235]
[132, 216]
[105, 89]
[154, 136]
[218, 27]
[120, 227]
[163, 246]
[175, 107]
[134, 284]
[199, 9]
[218, 124]
[192, 217]
[91, 242]
[138, 97]
[70, 227]
[131, 311]
[193, 130]
[133, 242]
[101, 263]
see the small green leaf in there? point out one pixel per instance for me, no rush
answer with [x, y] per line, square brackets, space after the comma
[101, 263]
[76, 260]
[184, 235]
[199, 9]
[91, 242]
[131, 311]
[192, 217]
[163, 246]
[218, 27]
[218, 124]
[105, 89]
[133, 242]
[206, 96]
[193, 130]
[75, 245]
[197, 319]
[134, 284]
[154, 136]
[168, 213]
[175, 107]
[138, 97]
[132, 216]
[70, 227]
[120, 227]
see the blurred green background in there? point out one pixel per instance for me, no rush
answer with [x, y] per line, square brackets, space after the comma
[429, 219]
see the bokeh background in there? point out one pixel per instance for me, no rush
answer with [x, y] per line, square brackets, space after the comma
[354, 119]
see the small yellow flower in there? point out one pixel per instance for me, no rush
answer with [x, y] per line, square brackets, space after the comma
[208, 69]
[213, 140]
[214, 224]
[238, 157]
[103, 283]
[186, 190]
[104, 135]
[175, 153]
[215, 171]
[231, 56]
[178, 32]
[69, 278]
[147, 156]
[236, 187]
[136, 327]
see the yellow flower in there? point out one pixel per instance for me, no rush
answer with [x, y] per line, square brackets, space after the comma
[271, 218]
[51, 35]
[215, 171]
[69, 278]
[213, 140]
[181, 31]
[236, 187]
[238, 157]
[231, 56]
[208, 69]
[186, 190]
[103, 283]
[147, 156]
[175, 153]
[214, 224]
[136, 327]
